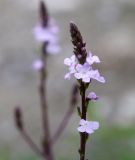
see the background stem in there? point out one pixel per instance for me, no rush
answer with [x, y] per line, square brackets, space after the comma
[62, 125]
[32, 145]
[47, 148]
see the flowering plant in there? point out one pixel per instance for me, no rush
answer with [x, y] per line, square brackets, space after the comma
[47, 31]
[80, 66]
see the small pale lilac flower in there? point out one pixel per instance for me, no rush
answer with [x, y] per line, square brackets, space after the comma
[38, 64]
[92, 59]
[67, 76]
[48, 34]
[83, 72]
[53, 26]
[71, 62]
[92, 96]
[88, 126]
[44, 34]
[94, 74]
[53, 48]
[86, 73]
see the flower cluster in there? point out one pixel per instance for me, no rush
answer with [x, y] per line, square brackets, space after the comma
[85, 72]
[48, 34]
[47, 31]
[88, 126]
[80, 65]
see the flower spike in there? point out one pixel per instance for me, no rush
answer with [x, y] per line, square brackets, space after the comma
[79, 45]
[43, 14]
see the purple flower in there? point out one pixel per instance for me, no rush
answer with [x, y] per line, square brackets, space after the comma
[92, 96]
[86, 73]
[53, 48]
[38, 64]
[92, 59]
[94, 74]
[44, 34]
[68, 76]
[48, 34]
[82, 72]
[71, 62]
[88, 126]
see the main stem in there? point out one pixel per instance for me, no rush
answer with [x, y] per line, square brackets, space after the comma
[47, 149]
[83, 116]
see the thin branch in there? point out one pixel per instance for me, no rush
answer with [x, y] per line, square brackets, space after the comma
[62, 125]
[66, 118]
[18, 117]
[32, 145]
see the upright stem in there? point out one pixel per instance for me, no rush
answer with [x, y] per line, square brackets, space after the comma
[47, 149]
[83, 135]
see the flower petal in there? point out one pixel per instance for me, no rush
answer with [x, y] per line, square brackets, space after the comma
[92, 96]
[79, 67]
[83, 122]
[96, 59]
[72, 69]
[81, 129]
[73, 58]
[92, 59]
[38, 64]
[86, 67]
[89, 130]
[53, 48]
[67, 76]
[101, 79]
[93, 125]
[67, 61]
[44, 34]
[86, 79]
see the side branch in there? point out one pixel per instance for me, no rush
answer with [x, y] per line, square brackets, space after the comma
[66, 118]
[62, 125]
[32, 145]
[18, 119]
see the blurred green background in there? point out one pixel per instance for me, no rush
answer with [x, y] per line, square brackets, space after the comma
[108, 27]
